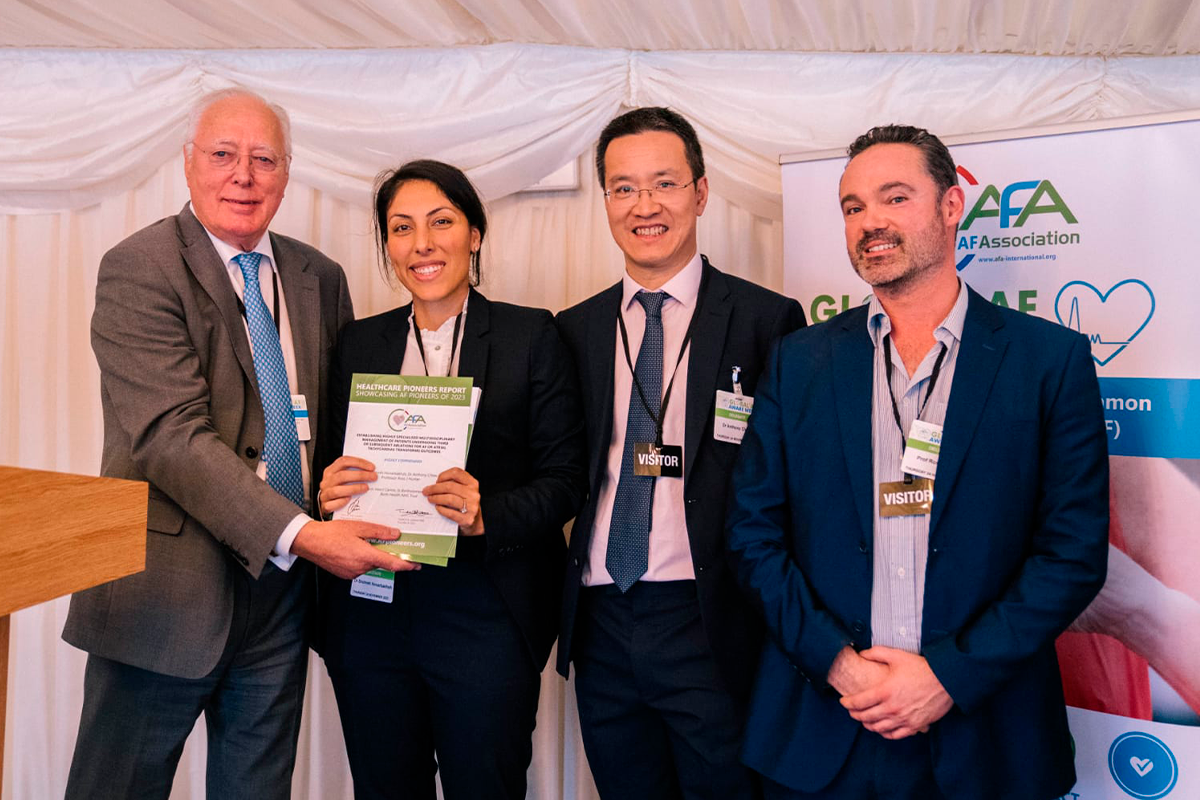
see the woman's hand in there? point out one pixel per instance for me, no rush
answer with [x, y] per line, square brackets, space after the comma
[456, 496]
[342, 481]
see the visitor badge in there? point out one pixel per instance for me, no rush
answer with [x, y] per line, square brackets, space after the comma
[300, 413]
[658, 461]
[922, 449]
[378, 584]
[731, 416]
[906, 498]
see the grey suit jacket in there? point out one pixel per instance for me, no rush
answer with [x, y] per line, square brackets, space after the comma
[182, 411]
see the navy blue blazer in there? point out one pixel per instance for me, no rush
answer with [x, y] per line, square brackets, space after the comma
[1018, 546]
[739, 321]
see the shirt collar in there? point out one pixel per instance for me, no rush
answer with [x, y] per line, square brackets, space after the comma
[684, 286]
[447, 326]
[950, 329]
[228, 252]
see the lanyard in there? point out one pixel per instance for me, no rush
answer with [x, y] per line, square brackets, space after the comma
[661, 416]
[275, 284]
[453, 343]
[933, 376]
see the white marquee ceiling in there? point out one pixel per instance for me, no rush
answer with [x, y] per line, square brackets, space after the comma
[1026, 27]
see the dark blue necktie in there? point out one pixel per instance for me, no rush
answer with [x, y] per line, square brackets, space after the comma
[281, 448]
[629, 531]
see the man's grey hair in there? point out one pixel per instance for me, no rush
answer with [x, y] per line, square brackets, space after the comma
[212, 98]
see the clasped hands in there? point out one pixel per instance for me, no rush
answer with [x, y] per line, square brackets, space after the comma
[891, 692]
[341, 546]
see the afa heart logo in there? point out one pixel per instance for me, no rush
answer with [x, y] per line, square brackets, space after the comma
[1111, 320]
[400, 420]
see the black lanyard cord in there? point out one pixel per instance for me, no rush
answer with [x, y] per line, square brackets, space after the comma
[453, 343]
[660, 418]
[933, 376]
[275, 285]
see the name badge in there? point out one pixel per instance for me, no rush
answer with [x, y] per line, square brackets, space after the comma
[922, 448]
[731, 416]
[900, 499]
[658, 462]
[378, 584]
[300, 413]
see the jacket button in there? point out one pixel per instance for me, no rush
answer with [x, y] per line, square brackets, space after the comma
[859, 626]
[862, 547]
[575, 561]
[251, 452]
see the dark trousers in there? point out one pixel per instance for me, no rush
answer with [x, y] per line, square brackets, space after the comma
[438, 679]
[876, 769]
[135, 722]
[656, 719]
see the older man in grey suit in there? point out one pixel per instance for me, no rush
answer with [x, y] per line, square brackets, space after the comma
[213, 339]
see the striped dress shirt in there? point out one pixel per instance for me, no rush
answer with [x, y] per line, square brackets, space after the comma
[902, 543]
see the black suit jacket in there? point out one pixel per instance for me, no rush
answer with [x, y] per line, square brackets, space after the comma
[738, 322]
[527, 451]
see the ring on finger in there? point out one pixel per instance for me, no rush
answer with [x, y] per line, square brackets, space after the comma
[464, 508]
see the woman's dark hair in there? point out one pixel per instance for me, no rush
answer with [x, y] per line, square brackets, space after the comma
[451, 181]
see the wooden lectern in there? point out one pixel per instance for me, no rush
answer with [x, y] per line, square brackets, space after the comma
[59, 534]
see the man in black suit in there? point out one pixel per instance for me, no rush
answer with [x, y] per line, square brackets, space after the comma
[663, 643]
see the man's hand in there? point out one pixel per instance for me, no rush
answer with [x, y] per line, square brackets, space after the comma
[907, 701]
[340, 547]
[850, 673]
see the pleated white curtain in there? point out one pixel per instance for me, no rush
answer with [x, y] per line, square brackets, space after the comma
[79, 126]
[89, 153]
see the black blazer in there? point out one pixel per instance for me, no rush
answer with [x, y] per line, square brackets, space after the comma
[739, 320]
[527, 451]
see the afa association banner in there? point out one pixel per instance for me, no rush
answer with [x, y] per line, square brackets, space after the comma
[1095, 230]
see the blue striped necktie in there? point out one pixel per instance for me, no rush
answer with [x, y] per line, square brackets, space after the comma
[629, 531]
[281, 448]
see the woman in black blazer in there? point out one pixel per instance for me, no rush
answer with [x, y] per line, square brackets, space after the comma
[446, 676]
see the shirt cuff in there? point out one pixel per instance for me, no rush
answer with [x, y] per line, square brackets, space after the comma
[282, 555]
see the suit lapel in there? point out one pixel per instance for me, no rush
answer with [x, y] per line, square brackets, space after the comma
[602, 331]
[302, 296]
[979, 357]
[853, 376]
[205, 264]
[395, 341]
[704, 360]
[473, 355]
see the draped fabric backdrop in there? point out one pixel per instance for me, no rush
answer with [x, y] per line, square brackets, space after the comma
[90, 152]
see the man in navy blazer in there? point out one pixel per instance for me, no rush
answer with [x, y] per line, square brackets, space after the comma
[917, 533]
[663, 643]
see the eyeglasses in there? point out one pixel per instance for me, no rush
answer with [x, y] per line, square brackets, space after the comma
[626, 194]
[223, 158]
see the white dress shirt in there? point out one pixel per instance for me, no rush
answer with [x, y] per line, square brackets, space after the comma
[438, 345]
[281, 556]
[670, 557]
